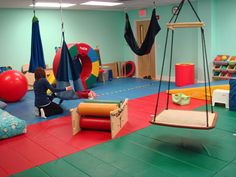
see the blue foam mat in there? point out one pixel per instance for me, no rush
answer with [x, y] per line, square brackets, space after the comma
[117, 89]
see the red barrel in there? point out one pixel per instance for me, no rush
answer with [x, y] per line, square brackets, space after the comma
[184, 74]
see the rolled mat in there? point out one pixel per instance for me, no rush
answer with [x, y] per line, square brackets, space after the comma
[95, 123]
[96, 109]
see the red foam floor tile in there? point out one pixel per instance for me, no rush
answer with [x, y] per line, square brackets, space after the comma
[52, 139]
[64, 130]
[3, 173]
[11, 161]
[54, 146]
[34, 152]
[88, 138]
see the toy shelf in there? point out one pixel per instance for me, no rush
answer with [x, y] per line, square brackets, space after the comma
[224, 67]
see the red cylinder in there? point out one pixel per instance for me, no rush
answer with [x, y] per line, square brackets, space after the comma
[184, 74]
[95, 123]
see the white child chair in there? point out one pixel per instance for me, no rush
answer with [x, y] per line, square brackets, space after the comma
[220, 96]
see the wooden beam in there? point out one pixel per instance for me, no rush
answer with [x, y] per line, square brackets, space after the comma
[172, 26]
[119, 118]
[75, 121]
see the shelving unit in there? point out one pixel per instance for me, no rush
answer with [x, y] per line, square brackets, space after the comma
[224, 67]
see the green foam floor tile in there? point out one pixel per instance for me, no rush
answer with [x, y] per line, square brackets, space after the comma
[93, 166]
[32, 172]
[60, 168]
[228, 171]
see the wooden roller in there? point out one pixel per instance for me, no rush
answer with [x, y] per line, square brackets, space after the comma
[96, 109]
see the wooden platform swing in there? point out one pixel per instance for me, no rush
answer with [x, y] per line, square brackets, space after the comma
[182, 118]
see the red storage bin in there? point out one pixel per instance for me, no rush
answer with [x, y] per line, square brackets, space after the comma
[184, 74]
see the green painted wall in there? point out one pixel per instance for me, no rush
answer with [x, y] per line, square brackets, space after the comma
[205, 11]
[225, 27]
[218, 16]
[105, 29]
[97, 28]
[220, 29]
[185, 41]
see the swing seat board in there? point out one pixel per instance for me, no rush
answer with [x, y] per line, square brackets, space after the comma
[185, 119]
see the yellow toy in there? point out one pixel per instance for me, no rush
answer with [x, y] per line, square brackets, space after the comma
[52, 80]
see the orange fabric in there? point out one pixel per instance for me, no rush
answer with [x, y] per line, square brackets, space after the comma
[199, 92]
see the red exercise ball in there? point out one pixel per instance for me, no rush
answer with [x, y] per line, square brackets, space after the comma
[14, 86]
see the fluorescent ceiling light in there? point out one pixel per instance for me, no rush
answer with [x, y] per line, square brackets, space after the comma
[52, 4]
[100, 3]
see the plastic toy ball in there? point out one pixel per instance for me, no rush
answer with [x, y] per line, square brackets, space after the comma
[218, 58]
[224, 57]
[14, 86]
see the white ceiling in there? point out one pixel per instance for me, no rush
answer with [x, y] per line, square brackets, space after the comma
[128, 4]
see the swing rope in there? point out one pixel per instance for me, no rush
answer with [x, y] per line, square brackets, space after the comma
[34, 7]
[34, 17]
[62, 22]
